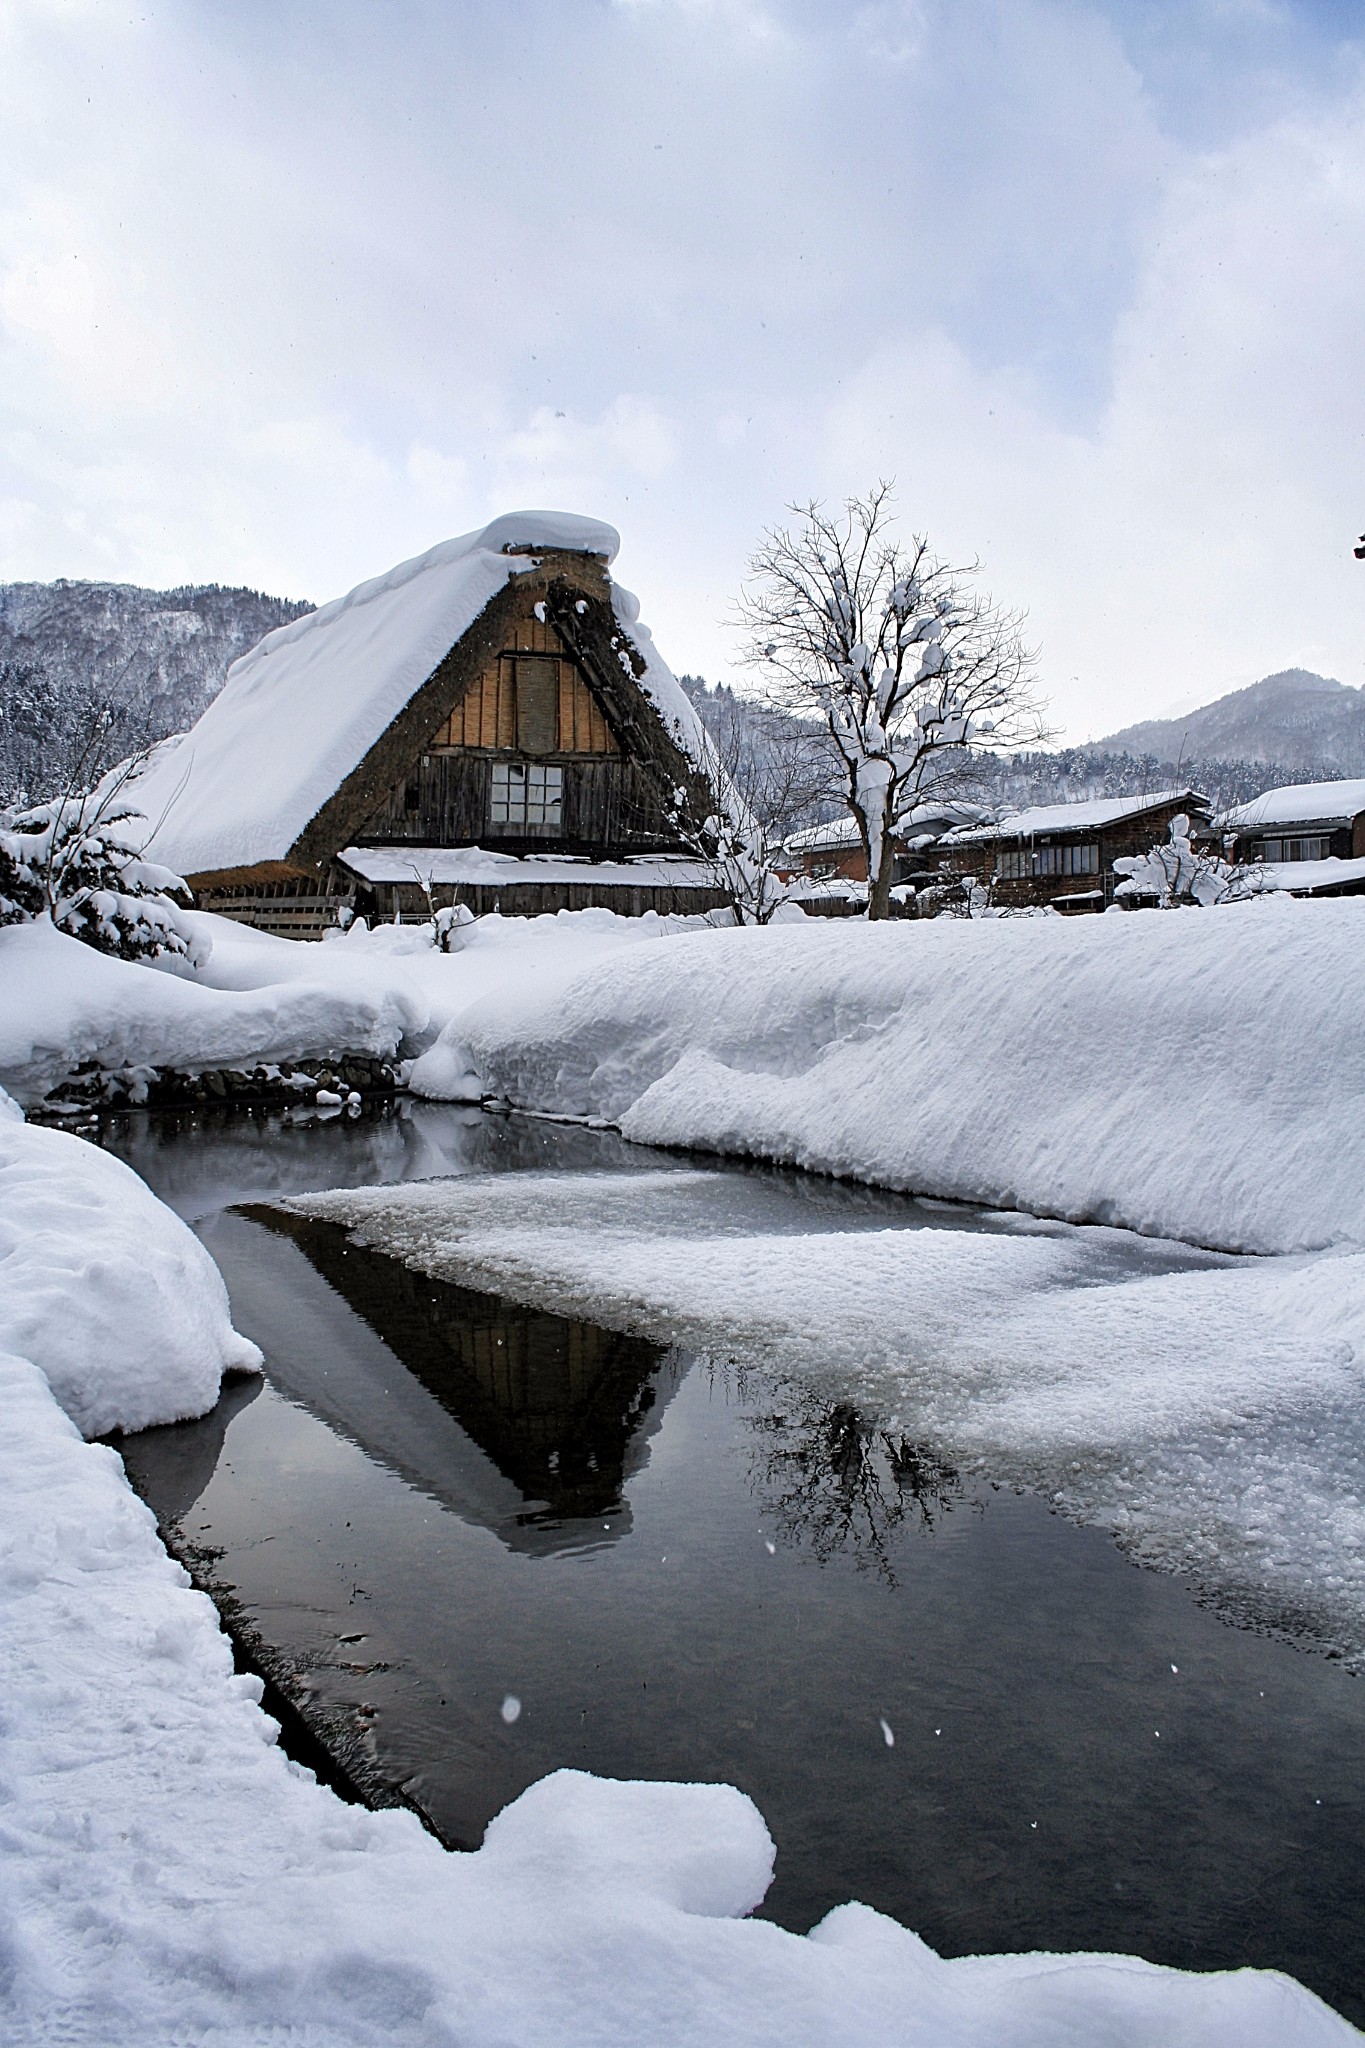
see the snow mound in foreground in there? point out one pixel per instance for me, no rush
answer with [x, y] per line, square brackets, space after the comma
[64, 1006]
[103, 1288]
[1197, 1075]
[171, 1877]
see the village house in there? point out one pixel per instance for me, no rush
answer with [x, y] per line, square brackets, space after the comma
[488, 724]
[1309, 837]
[832, 858]
[1062, 855]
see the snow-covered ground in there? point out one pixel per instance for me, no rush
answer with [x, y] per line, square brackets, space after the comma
[169, 1876]
[1196, 1074]
[257, 999]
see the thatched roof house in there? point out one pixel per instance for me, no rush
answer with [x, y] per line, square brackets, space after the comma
[489, 723]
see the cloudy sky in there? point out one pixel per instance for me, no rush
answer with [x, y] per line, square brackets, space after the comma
[289, 291]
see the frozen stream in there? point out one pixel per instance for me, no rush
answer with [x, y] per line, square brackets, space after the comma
[684, 1563]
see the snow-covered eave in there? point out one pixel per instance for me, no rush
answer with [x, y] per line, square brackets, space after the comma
[1280, 828]
[1048, 821]
[485, 867]
[1298, 806]
[1311, 877]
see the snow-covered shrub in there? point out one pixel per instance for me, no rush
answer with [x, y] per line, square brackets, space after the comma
[447, 927]
[78, 860]
[1176, 875]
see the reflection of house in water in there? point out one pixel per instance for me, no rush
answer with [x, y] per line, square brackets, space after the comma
[561, 1409]
[171, 1466]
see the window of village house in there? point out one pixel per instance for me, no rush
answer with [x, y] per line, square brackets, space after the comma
[525, 793]
[1295, 849]
[537, 704]
[1023, 864]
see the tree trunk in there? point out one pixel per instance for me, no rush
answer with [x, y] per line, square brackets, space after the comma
[879, 884]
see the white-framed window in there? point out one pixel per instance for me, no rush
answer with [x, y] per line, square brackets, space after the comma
[526, 793]
[1295, 849]
[1024, 863]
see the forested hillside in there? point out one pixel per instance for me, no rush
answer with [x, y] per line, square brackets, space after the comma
[91, 671]
[1312, 726]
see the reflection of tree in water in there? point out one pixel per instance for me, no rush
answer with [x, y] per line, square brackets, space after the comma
[841, 1481]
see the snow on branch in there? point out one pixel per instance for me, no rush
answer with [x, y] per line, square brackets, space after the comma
[1177, 875]
[78, 860]
[907, 665]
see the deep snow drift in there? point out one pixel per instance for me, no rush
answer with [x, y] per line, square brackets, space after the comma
[1196, 1074]
[100, 1285]
[256, 998]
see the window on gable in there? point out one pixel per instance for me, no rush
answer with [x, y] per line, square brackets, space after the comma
[526, 793]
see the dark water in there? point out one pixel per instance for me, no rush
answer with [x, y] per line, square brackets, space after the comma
[438, 1499]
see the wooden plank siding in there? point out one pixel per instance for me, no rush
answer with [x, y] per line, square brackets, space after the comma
[1071, 892]
[487, 715]
[608, 807]
[407, 901]
[531, 702]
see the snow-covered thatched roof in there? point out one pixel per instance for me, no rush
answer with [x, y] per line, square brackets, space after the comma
[1089, 816]
[299, 714]
[1299, 803]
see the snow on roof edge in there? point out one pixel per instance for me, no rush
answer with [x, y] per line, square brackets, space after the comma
[512, 533]
[1299, 803]
[1087, 815]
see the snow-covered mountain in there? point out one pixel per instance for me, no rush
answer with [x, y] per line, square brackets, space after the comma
[102, 668]
[1297, 720]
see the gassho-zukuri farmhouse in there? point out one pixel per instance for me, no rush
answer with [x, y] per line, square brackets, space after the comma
[489, 724]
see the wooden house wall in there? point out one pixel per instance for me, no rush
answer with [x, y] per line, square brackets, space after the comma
[1119, 841]
[531, 703]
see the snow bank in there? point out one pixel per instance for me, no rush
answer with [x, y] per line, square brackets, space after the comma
[1197, 1074]
[257, 998]
[64, 1006]
[113, 1296]
[169, 1876]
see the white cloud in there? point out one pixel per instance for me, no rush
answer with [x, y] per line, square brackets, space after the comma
[287, 307]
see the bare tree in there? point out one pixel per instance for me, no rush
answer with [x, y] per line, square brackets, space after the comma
[907, 666]
[771, 770]
[838, 1480]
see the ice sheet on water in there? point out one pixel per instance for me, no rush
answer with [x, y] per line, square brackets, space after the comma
[1205, 1408]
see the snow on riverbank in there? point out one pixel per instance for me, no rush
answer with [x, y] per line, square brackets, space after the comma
[1197, 1074]
[113, 1296]
[64, 1006]
[170, 1877]
[258, 998]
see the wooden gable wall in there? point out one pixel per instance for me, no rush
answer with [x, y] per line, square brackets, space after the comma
[532, 699]
[530, 703]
